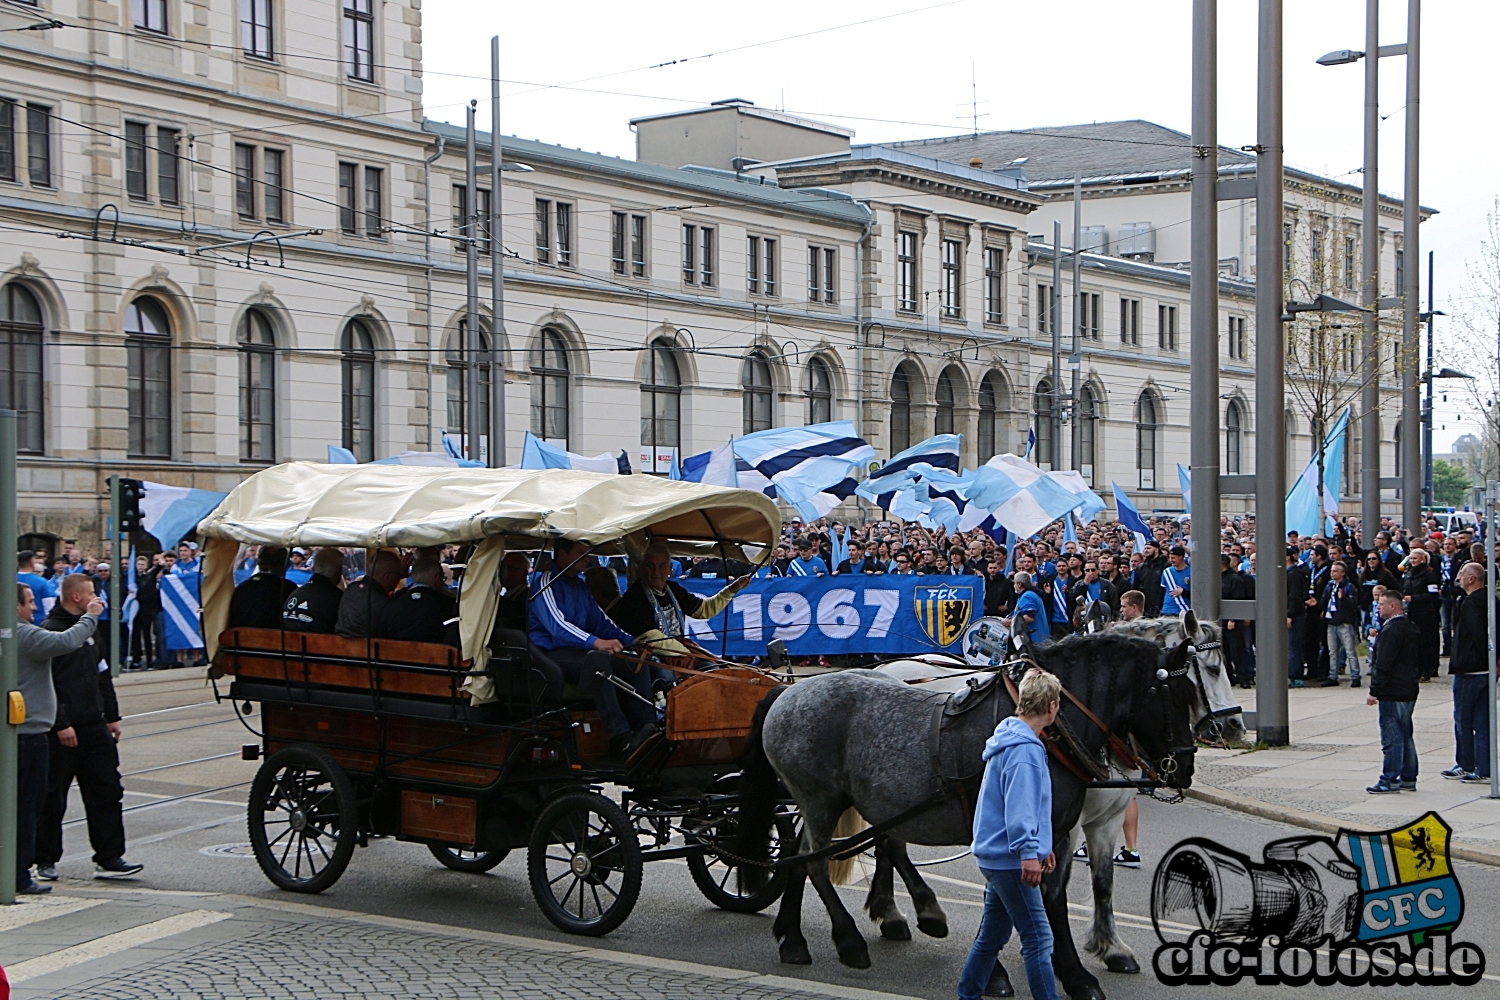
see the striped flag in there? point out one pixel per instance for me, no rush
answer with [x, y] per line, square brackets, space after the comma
[1024, 499]
[813, 468]
[539, 454]
[171, 513]
[180, 610]
[716, 468]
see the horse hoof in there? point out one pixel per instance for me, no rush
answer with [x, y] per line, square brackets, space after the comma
[855, 958]
[1122, 963]
[1088, 993]
[895, 930]
[999, 985]
[795, 953]
[933, 926]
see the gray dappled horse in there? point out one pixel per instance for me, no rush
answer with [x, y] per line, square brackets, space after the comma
[860, 740]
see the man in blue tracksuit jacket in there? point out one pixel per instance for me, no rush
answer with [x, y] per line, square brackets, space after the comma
[1013, 842]
[571, 629]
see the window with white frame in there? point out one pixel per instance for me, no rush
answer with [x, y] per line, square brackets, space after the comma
[1166, 327]
[1237, 338]
[149, 15]
[698, 251]
[906, 271]
[953, 279]
[361, 200]
[1130, 322]
[628, 239]
[760, 265]
[255, 29]
[359, 39]
[1351, 275]
[1043, 308]
[39, 145]
[135, 160]
[464, 225]
[822, 274]
[1089, 323]
[994, 285]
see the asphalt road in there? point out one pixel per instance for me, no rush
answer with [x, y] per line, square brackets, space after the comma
[186, 825]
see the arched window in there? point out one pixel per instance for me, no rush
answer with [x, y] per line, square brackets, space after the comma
[991, 395]
[148, 350]
[358, 347]
[661, 397]
[900, 410]
[756, 393]
[1147, 420]
[1088, 430]
[257, 388]
[21, 363]
[549, 387]
[943, 419]
[1234, 439]
[819, 392]
[1044, 453]
[456, 357]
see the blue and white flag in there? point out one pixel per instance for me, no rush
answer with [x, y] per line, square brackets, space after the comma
[1024, 499]
[813, 468]
[1070, 532]
[539, 454]
[180, 610]
[132, 605]
[1131, 518]
[715, 468]
[170, 513]
[1302, 502]
[894, 486]
[341, 456]
[838, 542]
[1030, 441]
[1185, 483]
[431, 459]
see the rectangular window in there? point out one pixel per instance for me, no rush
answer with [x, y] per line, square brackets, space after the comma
[39, 144]
[814, 265]
[564, 234]
[374, 181]
[255, 28]
[752, 264]
[168, 190]
[359, 29]
[769, 266]
[1089, 324]
[1351, 277]
[994, 285]
[706, 256]
[149, 15]
[135, 160]
[1166, 328]
[689, 254]
[273, 184]
[348, 199]
[1043, 309]
[617, 242]
[543, 231]
[638, 246]
[1288, 233]
[7, 140]
[822, 274]
[244, 180]
[953, 281]
[1130, 322]
[1237, 338]
[1400, 272]
[906, 271]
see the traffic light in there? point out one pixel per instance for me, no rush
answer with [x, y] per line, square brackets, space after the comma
[132, 491]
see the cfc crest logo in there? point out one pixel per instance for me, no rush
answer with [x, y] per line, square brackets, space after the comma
[1361, 909]
[944, 611]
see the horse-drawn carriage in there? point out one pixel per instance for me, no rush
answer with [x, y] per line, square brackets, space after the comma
[458, 749]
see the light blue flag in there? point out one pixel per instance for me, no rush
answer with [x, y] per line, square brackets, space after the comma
[1128, 515]
[1030, 441]
[1024, 499]
[431, 459]
[1302, 502]
[539, 454]
[896, 487]
[180, 610]
[715, 468]
[1185, 481]
[839, 544]
[1070, 532]
[675, 472]
[341, 456]
[171, 513]
[813, 468]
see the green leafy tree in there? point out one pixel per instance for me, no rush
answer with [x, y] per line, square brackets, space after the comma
[1450, 482]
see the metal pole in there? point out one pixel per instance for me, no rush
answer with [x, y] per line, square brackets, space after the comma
[498, 454]
[471, 322]
[1411, 292]
[1427, 407]
[1491, 495]
[114, 576]
[1204, 400]
[1054, 420]
[9, 664]
[1369, 473]
[1270, 410]
[1075, 360]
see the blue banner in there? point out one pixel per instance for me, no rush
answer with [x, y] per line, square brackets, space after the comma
[180, 611]
[833, 615]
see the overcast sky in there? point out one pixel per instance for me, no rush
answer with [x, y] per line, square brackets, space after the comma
[914, 74]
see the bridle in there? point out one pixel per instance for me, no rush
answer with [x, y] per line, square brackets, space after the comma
[1209, 728]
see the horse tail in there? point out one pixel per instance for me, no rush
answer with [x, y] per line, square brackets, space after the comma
[841, 870]
[757, 789]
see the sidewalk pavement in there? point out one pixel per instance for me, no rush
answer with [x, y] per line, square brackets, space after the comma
[1319, 781]
[126, 943]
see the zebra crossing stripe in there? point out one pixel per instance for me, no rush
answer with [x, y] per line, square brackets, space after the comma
[111, 944]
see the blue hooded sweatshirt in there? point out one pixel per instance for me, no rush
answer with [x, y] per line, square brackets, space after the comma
[1013, 821]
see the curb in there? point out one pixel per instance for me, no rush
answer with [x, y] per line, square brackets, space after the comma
[1320, 823]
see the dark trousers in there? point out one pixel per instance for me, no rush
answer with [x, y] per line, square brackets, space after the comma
[1471, 723]
[1296, 662]
[1241, 659]
[620, 712]
[1431, 632]
[31, 795]
[1447, 613]
[1397, 745]
[143, 640]
[105, 630]
[95, 762]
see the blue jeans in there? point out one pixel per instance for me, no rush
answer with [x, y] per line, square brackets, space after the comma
[1009, 902]
[1341, 648]
[1397, 743]
[1471, 723]
[31, 796]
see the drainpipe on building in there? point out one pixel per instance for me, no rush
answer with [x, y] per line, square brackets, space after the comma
[427, 261]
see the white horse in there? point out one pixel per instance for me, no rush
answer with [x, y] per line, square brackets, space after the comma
[1217, 716]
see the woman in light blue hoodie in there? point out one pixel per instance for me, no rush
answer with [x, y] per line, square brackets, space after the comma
[1013, 842]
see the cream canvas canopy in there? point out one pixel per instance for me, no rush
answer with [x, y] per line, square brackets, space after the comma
[377, 506]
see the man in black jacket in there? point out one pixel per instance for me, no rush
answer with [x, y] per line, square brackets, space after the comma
[314, 606]
[423, 611]
[1298, 582]
[1147, 578]
[147, 606]
[365, 599]
[1471, 726]
[1394, 680]
[257, 602]
[1236, 645]
[999, 592]
[1087, 589]
[1424, 602]
[82, 745]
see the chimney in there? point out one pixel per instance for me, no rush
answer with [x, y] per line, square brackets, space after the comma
[977, 162]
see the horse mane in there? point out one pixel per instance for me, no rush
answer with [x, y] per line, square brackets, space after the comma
[1156, 628]
[1093, 651]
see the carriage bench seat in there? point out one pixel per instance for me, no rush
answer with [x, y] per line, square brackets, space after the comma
[390, 666]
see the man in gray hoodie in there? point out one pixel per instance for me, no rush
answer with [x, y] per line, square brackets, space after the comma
[37, 648]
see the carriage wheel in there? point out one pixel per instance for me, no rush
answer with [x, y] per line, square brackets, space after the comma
[722, 879]
[584, 862]
[463, 860]
[303, 819]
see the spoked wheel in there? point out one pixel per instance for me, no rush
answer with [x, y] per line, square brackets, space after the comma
[723, 879]
[584, 862]
[463, 860]
[303, 819]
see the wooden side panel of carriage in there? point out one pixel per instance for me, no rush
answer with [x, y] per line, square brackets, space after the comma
[719, 705]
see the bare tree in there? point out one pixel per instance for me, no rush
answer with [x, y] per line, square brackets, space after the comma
[1474, 340]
